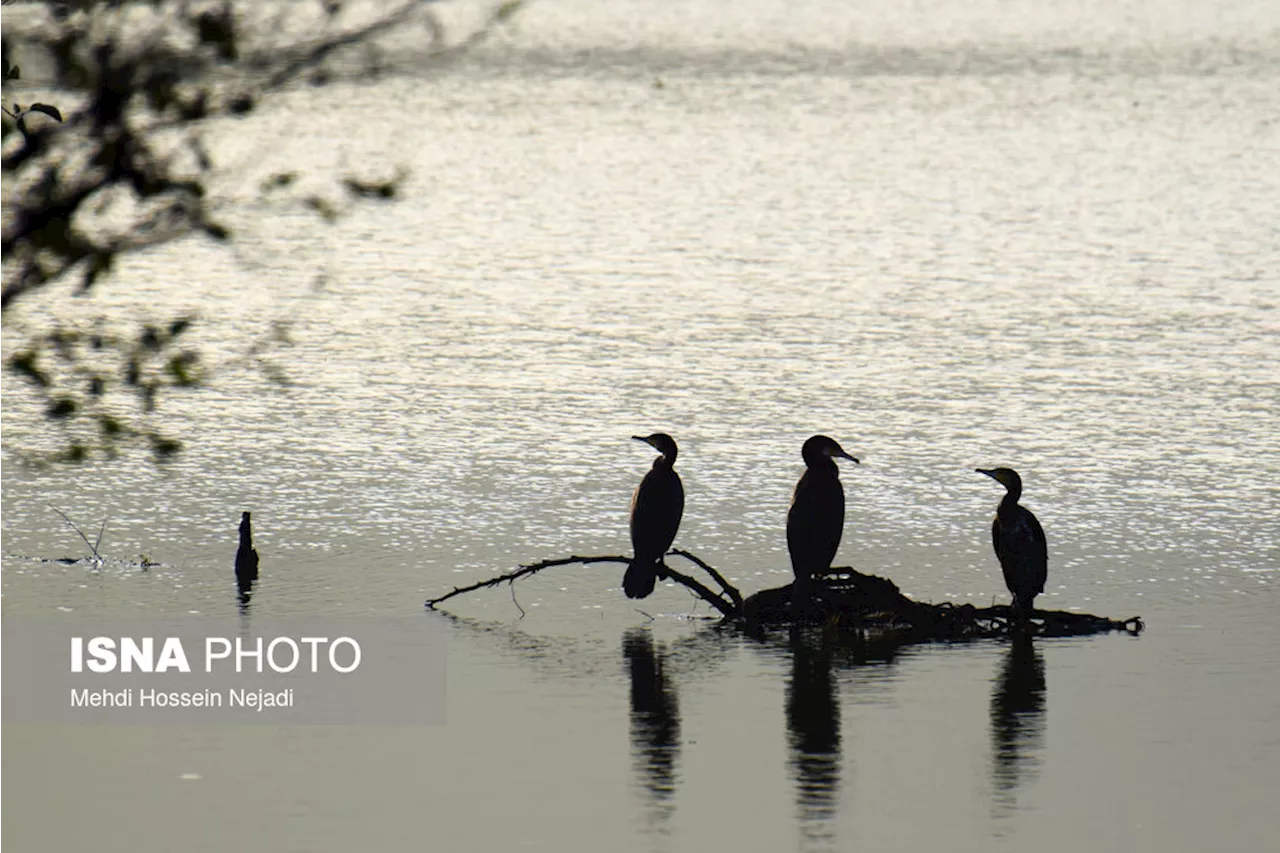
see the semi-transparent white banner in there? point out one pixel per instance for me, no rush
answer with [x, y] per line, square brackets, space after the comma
[82, 670]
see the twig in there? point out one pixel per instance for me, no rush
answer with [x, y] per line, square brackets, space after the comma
[92, 547]
[98, 541]
[499, 16]
[729, 589]
[726, 608]
[516, 603]
[523, 571]
[317, 52]
[320, 50]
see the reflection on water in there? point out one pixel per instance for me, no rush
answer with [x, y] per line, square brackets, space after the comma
[656, 670]
[1017, 721]
[655, 724]
[813, 726]
[244, 597]
[813, 718]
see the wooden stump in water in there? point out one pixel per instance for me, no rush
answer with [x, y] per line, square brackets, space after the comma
[246, 556]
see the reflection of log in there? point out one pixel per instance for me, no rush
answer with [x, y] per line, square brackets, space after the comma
[857, 603]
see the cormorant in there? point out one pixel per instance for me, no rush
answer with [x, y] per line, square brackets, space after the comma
[246, 557]
[816, 518]
[656, 508]
[1019, 542]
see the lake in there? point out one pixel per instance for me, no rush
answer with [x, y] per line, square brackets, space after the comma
[950, 235]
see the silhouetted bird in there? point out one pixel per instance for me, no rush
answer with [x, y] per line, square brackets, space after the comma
[815, 521]
[1019, 542]
[656, 508]
[246, 557]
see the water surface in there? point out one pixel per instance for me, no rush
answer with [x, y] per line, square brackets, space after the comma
[950, 235]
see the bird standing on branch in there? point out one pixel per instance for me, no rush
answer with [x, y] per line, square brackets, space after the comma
[656, 509]
[1019, 542]
[815, 521]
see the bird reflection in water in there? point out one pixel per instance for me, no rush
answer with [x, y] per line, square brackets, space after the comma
[655, 725]
[813, 729]
[1017, 720]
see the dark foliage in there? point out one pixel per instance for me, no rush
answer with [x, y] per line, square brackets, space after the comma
[118, 164]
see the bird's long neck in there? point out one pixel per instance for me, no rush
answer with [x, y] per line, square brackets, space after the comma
[824, 466]
[1009, 505]
[246, 534]
[665, 462]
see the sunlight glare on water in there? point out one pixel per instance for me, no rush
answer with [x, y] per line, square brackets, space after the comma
[951, 235]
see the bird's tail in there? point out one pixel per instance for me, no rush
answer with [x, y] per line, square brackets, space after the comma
[640, 579]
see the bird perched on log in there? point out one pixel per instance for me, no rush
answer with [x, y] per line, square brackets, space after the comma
[246, 556]
[815, 521]
[656, 509]
[1019, 542]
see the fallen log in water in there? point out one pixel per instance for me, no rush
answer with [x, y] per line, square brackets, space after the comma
[849, 600]
[871, 604]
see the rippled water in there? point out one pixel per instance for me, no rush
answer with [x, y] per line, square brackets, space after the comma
[950, 235]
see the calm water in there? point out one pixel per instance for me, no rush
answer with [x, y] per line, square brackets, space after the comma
[949, 234]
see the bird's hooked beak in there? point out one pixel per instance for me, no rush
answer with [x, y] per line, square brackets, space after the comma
[840, 452]
[992, 474]
[650, 440]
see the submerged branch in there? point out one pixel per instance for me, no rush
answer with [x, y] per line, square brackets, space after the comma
[873, 605]
[854, 603]
[92, 547]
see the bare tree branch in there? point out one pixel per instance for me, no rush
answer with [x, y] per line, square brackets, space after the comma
[726, 608]
[523, 571]
[852, 601]
[729, 589]
[72, 525]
